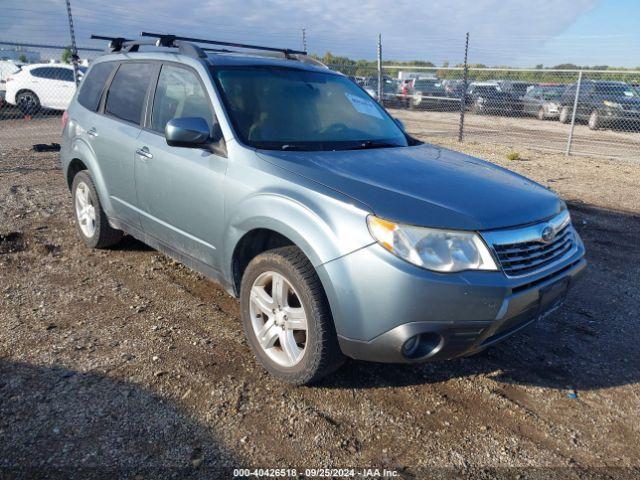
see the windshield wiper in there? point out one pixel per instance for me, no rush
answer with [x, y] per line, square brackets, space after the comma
[288, 146]
[368, 144]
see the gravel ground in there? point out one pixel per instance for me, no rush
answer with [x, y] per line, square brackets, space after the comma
[548, 135]
[124, 364]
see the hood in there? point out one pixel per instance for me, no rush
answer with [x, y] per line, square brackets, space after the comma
[426, 185]
[627, 102]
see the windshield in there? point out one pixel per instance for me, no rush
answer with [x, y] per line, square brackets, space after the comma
[615, 89]
[552, 93]
[520, 88]
[284, 108]
[486, 90]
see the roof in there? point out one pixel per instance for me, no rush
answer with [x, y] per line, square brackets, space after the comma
[247, 59]
[29, 66]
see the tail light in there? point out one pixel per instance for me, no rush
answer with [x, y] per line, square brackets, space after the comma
[64, 119]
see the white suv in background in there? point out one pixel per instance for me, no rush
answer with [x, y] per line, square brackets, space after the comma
[7, 67]
[41, 85]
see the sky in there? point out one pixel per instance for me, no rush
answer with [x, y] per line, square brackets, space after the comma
[519, 33]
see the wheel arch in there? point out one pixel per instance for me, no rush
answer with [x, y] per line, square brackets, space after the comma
[273, 220]
[80, 156]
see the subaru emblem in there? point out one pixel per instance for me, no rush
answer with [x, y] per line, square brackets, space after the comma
[547, 234]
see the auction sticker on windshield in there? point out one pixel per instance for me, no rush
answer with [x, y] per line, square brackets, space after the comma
[363, 105]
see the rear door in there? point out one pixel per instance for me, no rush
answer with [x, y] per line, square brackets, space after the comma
[54, 86]
[114, 136]
[180, 189]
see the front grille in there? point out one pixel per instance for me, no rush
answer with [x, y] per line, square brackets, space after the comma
[522, 258]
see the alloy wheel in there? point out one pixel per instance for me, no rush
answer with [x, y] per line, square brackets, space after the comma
[85, 210]
[278, 318]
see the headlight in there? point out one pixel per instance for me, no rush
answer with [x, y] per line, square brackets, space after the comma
[611, 104]
[431, 248]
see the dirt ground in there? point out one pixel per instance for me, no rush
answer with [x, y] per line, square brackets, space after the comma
[124, 364]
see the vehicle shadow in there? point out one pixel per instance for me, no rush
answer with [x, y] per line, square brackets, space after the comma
[592, 342]
[131, 244]
[61, 423]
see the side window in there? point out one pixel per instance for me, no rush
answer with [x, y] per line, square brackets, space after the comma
[127, 92]
[65, 74]
[39, 72]
[179, 94]
[93, 85]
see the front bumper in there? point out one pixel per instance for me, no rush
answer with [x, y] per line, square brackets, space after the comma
[379, 301]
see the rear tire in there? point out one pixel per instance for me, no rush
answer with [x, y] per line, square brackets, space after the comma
[28, 102]
[594, 120]
[298, 343]
[565, 115]
[91, 221]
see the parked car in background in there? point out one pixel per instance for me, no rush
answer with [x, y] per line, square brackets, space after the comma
[428, 94]
[602, 104]
[7, 67]
[41, 85]
[390, 91]
[485, 98]
[516, 91]
[543, 101]
[453, 88]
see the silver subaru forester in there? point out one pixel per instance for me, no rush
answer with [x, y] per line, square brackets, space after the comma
[285, 182]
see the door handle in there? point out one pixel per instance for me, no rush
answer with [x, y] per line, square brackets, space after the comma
[92, 132]
[144, 153]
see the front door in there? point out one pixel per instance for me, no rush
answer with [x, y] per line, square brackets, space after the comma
[180, 190]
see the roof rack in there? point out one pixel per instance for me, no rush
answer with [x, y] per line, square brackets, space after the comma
[187, 45]
[118, 44]
[172, 38]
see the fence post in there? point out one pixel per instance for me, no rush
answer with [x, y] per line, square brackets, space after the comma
[573, 114]
[74, 47]
[463, 95]
[380, 70]
[304, 39]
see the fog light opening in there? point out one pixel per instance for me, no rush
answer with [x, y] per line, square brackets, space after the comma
[421, 345]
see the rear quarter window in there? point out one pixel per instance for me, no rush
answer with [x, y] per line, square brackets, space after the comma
[93, 85]
[53, 73]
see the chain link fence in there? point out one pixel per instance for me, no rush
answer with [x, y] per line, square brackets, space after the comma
[590, 112]
[36, 86]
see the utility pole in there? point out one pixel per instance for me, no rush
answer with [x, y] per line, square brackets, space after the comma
[304, 39]
[380, 69]
[463, 98]
[74, 47]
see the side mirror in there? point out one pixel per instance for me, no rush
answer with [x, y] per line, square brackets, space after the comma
[400, 123]
[190, 132]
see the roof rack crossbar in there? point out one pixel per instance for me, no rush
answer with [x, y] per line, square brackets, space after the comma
[121, 44]
[115, 43]
[169, 39]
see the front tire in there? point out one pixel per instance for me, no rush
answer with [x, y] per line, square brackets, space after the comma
[594, 120]
[91, 221]
[286, 317]
[478, 107]
[565, 115]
